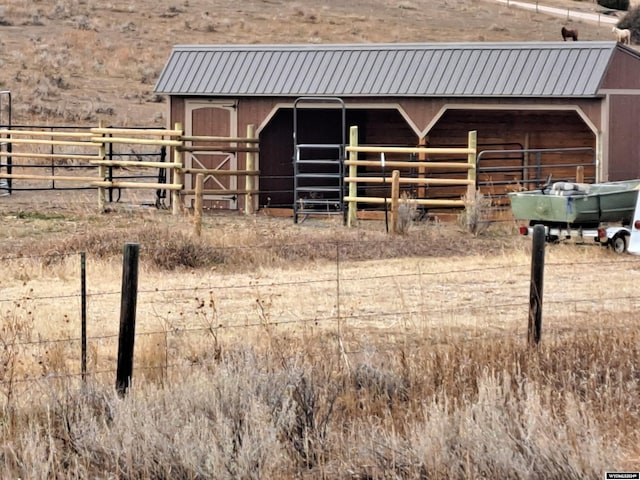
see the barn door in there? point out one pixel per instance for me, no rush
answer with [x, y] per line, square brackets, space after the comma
[213, 119]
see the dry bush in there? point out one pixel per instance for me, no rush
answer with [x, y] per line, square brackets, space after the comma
[151, 357]
[16, 331]
[407, 210]
[161, 247]
[475, 216]
[168, 243]
[290, 408]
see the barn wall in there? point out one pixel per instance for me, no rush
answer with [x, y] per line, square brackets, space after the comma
[516, 130]
[623, 72]
[528, 125]
[177, 111]
[624, 154]
[622, 87]
[423, 111]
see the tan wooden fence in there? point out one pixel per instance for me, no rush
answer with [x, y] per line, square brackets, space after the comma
[467, 166]
[93, 144]
[90, 149]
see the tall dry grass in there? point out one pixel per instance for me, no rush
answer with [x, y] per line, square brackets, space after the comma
[289, 407]
[403, 401]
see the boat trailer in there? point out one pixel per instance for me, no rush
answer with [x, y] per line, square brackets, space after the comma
[620, 238]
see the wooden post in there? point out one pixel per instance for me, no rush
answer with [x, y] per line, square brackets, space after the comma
[534, 331]
[102, 171]
[395, 200]
[579, 174]
[83, 316]
[198, 204]
[471, 158]
[127, 317]
[422, 171]
[525, 170]
[249, 180]
[178, 175]
[352, 211]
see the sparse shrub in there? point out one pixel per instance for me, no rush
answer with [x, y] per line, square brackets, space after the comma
[82, 22]
[406, 213]
[163, 248]
[148, 75]
[16, 329]
[151, 357]
[379, 382]
[180, 250]
[474, 218]
[128, 27]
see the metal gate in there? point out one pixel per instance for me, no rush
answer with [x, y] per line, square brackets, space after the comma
[318, 168]
[500, 170]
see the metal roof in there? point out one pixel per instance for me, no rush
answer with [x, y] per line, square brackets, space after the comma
[531, 69]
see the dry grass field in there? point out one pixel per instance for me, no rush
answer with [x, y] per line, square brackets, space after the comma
[266, 349]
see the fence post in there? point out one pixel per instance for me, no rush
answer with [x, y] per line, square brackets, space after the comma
[395, 199]
[534, 331]
[127, 317]
[178, 176]
[472, 160]
[83, 315]
[352, 213]
[422, 171]
[579, 174]
[249, 180]
[198, 203]
[102, 170]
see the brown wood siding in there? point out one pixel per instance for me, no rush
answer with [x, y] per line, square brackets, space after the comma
[177, 111]
[624, 154]
[382, 127]
[422, 110]
[176, 114]
[513, 130]
[527, 125]
[623, 73]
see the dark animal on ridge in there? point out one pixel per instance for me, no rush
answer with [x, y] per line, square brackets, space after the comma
[566, 33]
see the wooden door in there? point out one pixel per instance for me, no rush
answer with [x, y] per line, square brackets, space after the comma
[215, 119]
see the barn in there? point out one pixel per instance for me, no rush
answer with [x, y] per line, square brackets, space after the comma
[539, 109]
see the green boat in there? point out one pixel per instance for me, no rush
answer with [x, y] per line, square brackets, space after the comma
[577, 205]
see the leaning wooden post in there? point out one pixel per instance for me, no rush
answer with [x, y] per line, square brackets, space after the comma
[249, 180]
[102, 170]
[472, 160]
[395, 200]
[534, 331]
[178, 174]
[198, 204]
[579, 174]
[352, 212]
[127, 317]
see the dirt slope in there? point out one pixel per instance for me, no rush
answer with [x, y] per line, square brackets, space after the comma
[80, 61]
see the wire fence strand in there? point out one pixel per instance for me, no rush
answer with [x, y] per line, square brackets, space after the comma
[342, 295]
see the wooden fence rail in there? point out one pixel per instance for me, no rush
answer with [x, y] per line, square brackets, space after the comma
[98, 139]
[352, 199]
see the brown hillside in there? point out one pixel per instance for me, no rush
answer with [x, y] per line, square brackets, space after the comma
[81, 61]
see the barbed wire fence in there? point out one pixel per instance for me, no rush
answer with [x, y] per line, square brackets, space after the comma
[183, 326]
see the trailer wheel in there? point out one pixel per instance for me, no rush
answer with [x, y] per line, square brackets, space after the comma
[619, 242]
[552, 239]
